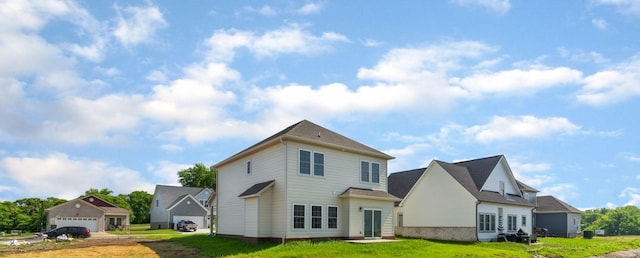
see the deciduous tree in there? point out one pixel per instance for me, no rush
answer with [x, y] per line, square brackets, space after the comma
[198, 176]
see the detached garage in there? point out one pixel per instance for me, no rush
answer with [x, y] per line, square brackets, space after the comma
[90, 212]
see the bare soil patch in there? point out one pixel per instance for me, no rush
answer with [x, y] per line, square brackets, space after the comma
[117, 247]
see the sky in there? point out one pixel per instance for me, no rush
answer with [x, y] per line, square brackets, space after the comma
[124, 94]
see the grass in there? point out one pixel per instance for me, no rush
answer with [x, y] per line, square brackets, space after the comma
[548, 247]
[144, 229]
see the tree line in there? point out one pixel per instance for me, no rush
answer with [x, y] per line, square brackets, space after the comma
[615, 222]
[28, 214]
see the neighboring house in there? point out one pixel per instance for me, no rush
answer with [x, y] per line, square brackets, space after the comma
[171, 204]
[88, 211]
[305, 182]
[560, 218]
[471, 200]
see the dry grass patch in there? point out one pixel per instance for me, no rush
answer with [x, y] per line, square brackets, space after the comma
[122, 247]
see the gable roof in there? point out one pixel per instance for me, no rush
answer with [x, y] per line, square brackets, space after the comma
[308, 132]
[550, 204]
[525, 187]
[97, 203]
[399, 183]
[172, 194]
[473, 174]
[257, 189]
[181, 199]
[362, 193]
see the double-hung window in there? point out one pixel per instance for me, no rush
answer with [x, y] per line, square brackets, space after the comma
[511, 222]
[487, 222]
[311, 164]
[298, 216]
[369, 172]
[316, 217]
[332, 217]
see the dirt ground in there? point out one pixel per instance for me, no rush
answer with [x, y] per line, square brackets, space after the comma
[117, 247]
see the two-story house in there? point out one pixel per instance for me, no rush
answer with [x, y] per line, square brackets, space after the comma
[171, 204]
[305, 182]
[472, 200]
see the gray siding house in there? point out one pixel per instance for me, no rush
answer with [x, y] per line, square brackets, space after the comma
[171, 204]
[560, 218]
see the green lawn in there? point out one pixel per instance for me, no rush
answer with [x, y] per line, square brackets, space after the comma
[549, 247]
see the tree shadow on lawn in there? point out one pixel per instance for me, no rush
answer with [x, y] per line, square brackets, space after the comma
[217, 246]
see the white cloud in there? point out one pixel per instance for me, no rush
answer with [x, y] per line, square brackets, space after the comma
[49, 174]
[310, 8]
[166, 172]
[599, 23]
[633, 158]
[498, 6]
[517, 81]
[138, 25]
[503, 128]
[629, 7]
[614, 85]
[633, 194]
[533, 174]
[292, 39]
[561, 191]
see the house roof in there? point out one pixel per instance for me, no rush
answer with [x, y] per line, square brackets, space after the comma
[98, 203]
[257, 189]
[399, 183]
[550, 204]
[308, 132]
[362, 193]
[473, 174]
[173, 194]
[525, 187]
[186, 197]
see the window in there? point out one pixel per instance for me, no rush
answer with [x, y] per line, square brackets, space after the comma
[524, 220]
[369, 172]
[502, 188]
[249, 167]
[332, 217]
[318, 164]
[298, 216]
[400, 220]
[306, 161]
[364, 171]
[316, 217]
[487, 222]
[375, 173]
[511, 222]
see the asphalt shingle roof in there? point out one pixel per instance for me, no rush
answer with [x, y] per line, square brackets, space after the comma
[172, 194]
[257, 188]
[400, 183]
[368, 193]
[312, 133]
[550, 204]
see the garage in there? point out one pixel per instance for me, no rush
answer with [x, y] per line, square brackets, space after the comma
[197, 219]
[88, 222]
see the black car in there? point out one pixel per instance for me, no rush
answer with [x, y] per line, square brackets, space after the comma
[77, 232]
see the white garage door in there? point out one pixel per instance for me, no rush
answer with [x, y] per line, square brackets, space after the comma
[197, 219]
[90, 223]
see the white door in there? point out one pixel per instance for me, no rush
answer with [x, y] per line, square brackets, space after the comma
[90, 223]
[200, 220]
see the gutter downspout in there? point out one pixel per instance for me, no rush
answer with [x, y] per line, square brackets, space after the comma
[477, 233]
[286, 189]
[217, 199]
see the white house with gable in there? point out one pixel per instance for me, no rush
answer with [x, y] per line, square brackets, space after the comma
[472, 200]
[305, 182]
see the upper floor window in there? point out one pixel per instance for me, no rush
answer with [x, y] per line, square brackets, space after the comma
[249, 167]
[502, 188]
[369, 172]
[306, 159]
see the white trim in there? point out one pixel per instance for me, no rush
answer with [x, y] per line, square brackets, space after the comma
[321, 217]
[293, 218]
[312, 163]
[370, 176]
[337, 217]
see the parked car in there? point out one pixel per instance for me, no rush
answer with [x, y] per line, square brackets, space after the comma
[77, 232]
[187, 225]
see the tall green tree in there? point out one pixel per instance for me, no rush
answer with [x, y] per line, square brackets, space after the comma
[140, 202]
[198, 176]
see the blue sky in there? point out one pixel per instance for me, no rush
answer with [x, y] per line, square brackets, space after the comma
[123, 94]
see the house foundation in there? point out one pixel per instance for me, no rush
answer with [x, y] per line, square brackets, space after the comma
[463, 234]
